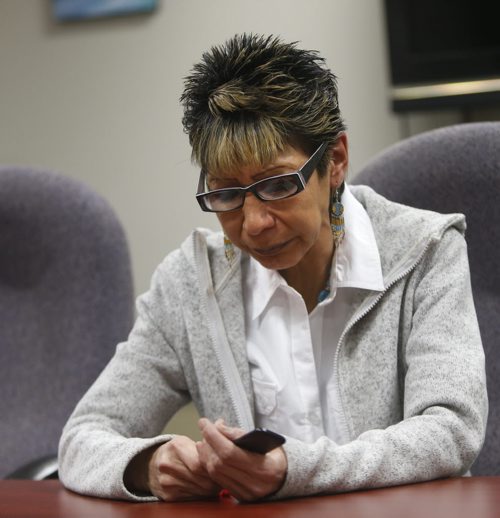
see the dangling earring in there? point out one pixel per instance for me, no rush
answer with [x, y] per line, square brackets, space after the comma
[229, 250]
[337, 218]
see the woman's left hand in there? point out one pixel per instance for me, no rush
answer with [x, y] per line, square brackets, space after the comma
[247, 476]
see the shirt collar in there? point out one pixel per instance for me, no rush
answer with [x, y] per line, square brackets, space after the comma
[356, 263]
[260, 284]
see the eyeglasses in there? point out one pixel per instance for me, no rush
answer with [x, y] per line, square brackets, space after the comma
[269, 189]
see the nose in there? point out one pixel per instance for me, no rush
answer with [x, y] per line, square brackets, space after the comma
[256, 216]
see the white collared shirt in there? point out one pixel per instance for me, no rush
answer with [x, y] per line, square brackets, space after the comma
[291, 353]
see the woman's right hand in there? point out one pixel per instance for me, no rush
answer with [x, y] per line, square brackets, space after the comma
[175, 472]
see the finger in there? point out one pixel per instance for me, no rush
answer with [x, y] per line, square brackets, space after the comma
[188, 455]
[186, 479]
[210, 459]
[178, 466]
[230, 432]
[170, 486]
[235, 489]
[238, 482]
[217, 453]
[224, 447]
[181, 495]
[254, 476]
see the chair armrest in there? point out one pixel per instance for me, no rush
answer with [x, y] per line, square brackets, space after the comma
[39, 469]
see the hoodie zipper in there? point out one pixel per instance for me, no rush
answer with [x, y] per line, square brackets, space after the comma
[362, 313]
[218, 338]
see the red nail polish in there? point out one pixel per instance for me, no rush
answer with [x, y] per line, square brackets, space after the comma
[224, 493]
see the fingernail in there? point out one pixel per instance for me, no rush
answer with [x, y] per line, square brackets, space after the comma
[224, 493]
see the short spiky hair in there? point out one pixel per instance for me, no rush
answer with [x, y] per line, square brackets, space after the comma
[250, 97]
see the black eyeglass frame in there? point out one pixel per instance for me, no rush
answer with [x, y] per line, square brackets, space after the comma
[301, 177]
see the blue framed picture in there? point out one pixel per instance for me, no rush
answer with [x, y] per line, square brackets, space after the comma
[83, 9]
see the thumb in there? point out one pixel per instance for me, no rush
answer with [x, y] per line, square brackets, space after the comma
[228, 431]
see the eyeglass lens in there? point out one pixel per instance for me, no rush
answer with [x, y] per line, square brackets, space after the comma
[270, 189]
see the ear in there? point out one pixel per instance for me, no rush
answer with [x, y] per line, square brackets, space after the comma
[339, 161]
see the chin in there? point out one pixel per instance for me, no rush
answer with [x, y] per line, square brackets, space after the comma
[277, 262]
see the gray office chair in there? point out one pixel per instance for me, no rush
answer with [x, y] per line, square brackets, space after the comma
[457, 169]
[66, 300]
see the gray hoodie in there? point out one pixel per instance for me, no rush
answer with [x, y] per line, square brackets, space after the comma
[409, 366]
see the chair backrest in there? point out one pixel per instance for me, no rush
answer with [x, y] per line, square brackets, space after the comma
[457, 169]
[66, 300]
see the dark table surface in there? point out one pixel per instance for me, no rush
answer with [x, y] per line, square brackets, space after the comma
[474, 497]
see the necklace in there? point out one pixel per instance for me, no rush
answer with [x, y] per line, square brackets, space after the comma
[323, 294]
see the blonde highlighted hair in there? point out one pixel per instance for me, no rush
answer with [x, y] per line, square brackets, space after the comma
[250, 97]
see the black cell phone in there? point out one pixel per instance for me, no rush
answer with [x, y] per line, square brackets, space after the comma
[260, 440]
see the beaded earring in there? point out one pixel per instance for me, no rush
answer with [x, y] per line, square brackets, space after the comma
[337, 218]
[229, 250]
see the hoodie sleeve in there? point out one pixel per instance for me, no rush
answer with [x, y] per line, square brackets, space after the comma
[127, 407]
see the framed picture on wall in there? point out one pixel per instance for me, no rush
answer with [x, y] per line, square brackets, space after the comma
[84, 9]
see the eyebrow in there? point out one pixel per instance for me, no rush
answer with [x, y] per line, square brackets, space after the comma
[255, 177]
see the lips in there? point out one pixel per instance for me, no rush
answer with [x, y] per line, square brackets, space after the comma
[271, 250]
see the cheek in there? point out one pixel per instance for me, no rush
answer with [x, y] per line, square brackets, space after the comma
[230, 223]
[317, 212]
[316, 222]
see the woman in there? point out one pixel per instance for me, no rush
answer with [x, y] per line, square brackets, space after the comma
[326, 313]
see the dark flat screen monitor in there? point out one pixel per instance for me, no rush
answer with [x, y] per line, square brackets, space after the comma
[443, 41]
